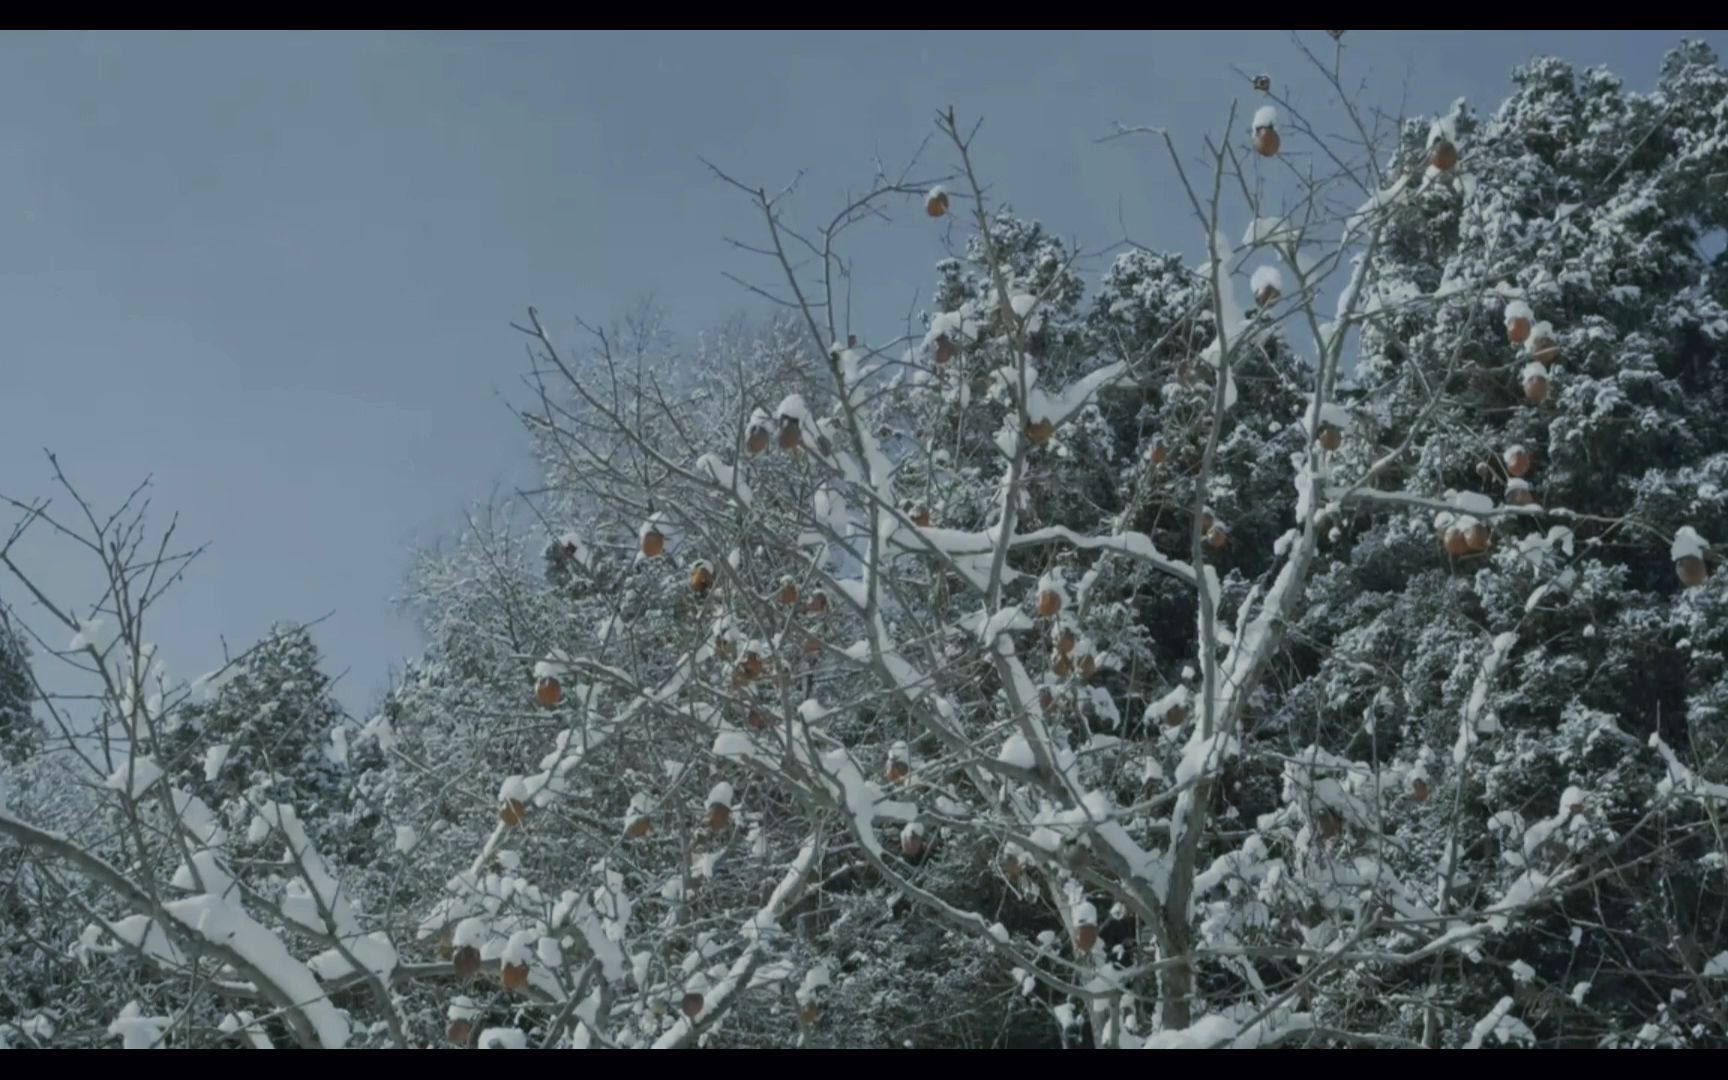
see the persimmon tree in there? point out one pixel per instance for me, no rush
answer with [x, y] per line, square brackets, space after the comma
[1320, 645]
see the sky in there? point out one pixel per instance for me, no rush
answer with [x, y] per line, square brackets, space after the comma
[275, 272]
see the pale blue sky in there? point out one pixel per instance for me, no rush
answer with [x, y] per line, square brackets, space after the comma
[276, 270]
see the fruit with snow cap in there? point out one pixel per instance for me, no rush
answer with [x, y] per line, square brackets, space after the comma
[1085, 919]
[1519, 318]
[1536, 383]
[701, 577]
[899, 763]
[548, 692]
[719, 814]
[1516, 460]
[1687, 552]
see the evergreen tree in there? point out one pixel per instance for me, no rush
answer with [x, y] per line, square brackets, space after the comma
[270, 730]
[21, 732]
[1579, 208]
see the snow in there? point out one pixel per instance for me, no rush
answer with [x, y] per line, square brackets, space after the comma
[655, 522]
[728, 981]
[1266, 116]
[379, 728]
[1499, 1024]
[1445, 127]
[733, 743]
[374, 951]
[1135, 545]
[1005, 621]
[816, 980]
[1268, 230]
[1475, 720]
[1160, 709]
[139, 772]
[1472, 502]
[470, 931]
[1376, 202]
[1059, 407]
[1331, 414]
[555, 666]
[199, 821]
[516, 947]
[406, 838]
[137, 1031]
[725, 477]
[1506, 821]
[96, 634]
[1017, 752]
[578, 550]
[863, 799]
[959, 326]
[1683, 780]
[214, 758]
[247, 1024]
[206, 687]
[1538, 834]
[549, 953]
[315, 894]
[1716, 967]
[513, 789]
[1201, 754]
[1266, 277]
[148, 936]
[205, 873]
[702, 866]
[225, 924]
[1391, 295]
[501, 1038]
[721, 794]
[1529, 887]
[1687, 542]
[911, 682]
[1203, 1034]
